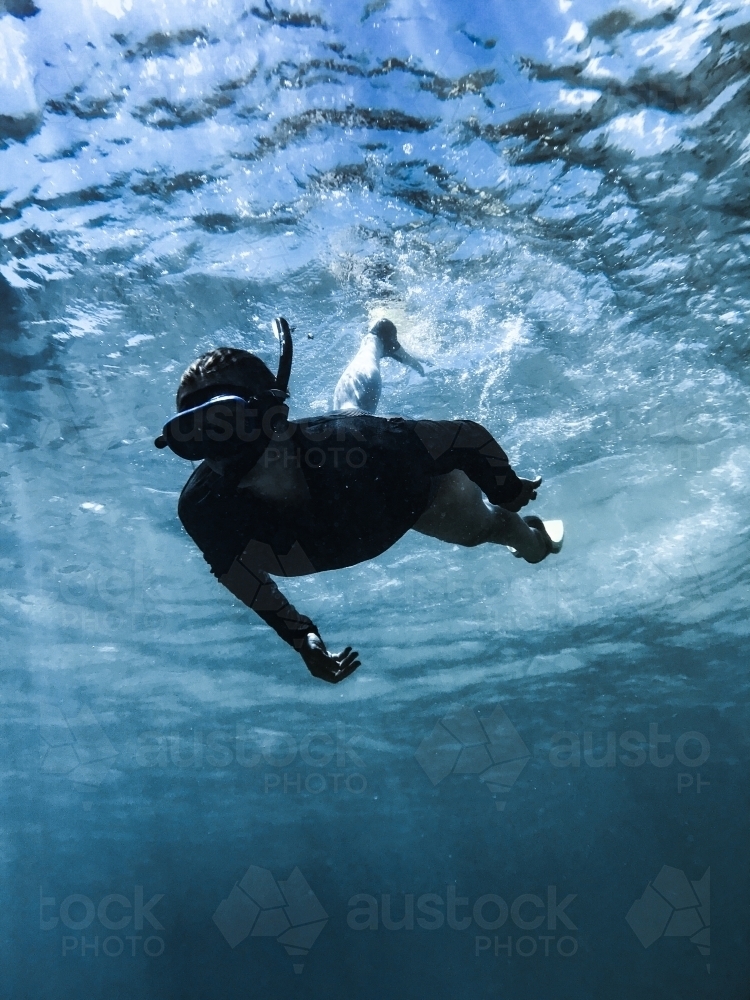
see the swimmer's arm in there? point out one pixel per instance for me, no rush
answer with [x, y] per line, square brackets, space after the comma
[255, 588]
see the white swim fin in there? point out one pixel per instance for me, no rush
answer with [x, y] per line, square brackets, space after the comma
[554, 532]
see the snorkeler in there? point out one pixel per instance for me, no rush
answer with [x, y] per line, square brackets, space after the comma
[276, 497]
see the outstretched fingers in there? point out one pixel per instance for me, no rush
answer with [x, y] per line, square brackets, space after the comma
[329, 667]
[347, 661]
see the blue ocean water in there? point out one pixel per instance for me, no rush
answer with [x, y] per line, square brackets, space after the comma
[536, 784]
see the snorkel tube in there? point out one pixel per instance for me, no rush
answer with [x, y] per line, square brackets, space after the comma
[286, 350]
[229, 423]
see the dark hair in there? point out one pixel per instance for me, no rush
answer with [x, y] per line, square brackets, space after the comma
[224, 367]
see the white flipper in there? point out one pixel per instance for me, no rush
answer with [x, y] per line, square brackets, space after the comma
[556, 532]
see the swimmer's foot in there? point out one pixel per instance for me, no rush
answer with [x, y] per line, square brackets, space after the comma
[386, 332]
[552, 534]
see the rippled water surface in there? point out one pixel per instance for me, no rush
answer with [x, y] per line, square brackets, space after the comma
[551, 200]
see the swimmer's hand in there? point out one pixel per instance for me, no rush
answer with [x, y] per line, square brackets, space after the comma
[407, 359]
[331, 667]
[528, 492]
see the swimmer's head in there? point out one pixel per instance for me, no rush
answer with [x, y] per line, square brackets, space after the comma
[386, 332]
[205, 399]
[226, 370]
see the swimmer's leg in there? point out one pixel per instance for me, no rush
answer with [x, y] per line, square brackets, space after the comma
[360, 384]
[459, 514]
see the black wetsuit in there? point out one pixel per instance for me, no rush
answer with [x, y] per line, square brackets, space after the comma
[369, 480]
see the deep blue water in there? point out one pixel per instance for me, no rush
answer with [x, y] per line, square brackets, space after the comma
[536, 784]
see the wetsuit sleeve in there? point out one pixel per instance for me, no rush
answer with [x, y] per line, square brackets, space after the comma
[256, 589]
[466, 445]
